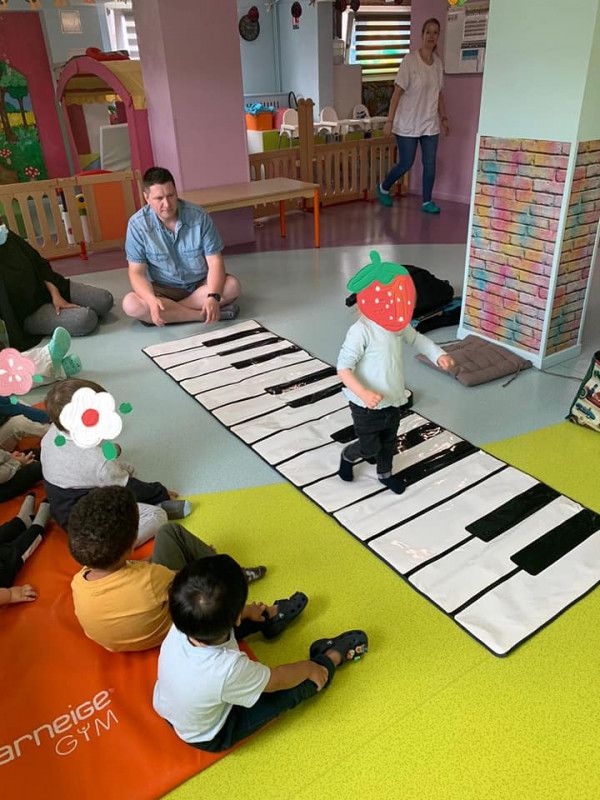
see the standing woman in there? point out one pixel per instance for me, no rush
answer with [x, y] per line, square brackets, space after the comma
[416, 114]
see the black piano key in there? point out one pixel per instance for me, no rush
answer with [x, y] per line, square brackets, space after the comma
[233, 336]
[298, 383]
[555, 544]
[249, 362]
[512, 512]
[315, 396]
[262, 343]
[344, 435]
[418, 435]
[436, 462]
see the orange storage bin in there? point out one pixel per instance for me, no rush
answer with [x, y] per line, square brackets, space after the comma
[263, 121]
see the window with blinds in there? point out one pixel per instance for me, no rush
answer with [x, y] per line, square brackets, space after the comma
[380, 40]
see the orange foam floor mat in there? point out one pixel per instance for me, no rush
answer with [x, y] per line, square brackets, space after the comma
[77, 721]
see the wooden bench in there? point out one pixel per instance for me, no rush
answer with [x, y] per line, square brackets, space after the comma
[254, 193]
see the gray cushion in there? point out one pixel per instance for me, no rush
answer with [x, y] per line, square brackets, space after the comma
[479, 361]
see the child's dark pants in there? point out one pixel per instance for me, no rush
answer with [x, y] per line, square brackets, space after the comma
[376, 429]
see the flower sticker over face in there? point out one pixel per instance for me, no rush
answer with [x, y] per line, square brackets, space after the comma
[16, 373]
[90, 417]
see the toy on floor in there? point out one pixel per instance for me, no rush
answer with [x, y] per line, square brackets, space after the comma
[370, 365]
[585, 408]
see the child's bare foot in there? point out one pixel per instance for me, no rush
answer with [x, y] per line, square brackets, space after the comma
[173, 494]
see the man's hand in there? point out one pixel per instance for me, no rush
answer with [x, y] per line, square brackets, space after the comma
[371, 399]
[318, 675]
[59, 302]
[212, 308]
[446, 362]
[22, 594]
[23, 458]
[156, 306]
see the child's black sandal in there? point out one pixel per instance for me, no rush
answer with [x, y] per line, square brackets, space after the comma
[287, 610]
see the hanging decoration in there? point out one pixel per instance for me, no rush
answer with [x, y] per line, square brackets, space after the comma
[249, 26]
[61, 3]
[456, 3]
[296, 14]
[34, 5]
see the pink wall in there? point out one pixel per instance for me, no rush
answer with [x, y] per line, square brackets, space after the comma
[192, 70]
[462, 94]
[22, 43]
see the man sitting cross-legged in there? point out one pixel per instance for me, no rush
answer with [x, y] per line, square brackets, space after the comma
[176, 268]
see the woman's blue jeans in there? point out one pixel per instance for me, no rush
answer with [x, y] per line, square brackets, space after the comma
[407, 149]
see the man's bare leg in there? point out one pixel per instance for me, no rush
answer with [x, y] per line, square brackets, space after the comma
[230, 293]
[135, 307]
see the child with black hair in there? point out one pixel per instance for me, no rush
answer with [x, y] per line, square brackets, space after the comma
[122, 604]
[19, 538]
[211, 693]
[71, 471]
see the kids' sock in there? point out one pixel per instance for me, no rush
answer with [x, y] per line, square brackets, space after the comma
[27, 509]
[176, 509]
[43, 514]
[346, 471]
[71, 365]
[230, 311]
[393, 483]
[58, 346]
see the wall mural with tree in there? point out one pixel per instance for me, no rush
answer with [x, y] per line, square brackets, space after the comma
[21, 157]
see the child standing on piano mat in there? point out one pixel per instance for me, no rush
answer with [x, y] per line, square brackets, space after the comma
[370, 365]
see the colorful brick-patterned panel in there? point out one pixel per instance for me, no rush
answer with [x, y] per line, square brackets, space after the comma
[519, 192]
[577, 249]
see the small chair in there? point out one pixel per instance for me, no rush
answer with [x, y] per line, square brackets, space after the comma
[361, 112]
[289, 124]
[330, 121]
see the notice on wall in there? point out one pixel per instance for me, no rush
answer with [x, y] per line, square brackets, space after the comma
[465, 38]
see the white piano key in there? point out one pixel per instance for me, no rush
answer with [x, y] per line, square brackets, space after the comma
[371, 516]
[408, 545]
[453, 579]
[312, 465]
[256, 384]
[209, 354]
[334, 493]
[198, 339]
[305, 437]
[521, 605]
[227, 377]
[288, 418]
[212, 363]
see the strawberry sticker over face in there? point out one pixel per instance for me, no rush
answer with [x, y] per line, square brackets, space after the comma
[385, 293]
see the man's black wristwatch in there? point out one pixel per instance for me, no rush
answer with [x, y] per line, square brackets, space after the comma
[216, 295]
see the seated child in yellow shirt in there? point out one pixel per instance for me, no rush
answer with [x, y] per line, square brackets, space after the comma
[123, 604]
